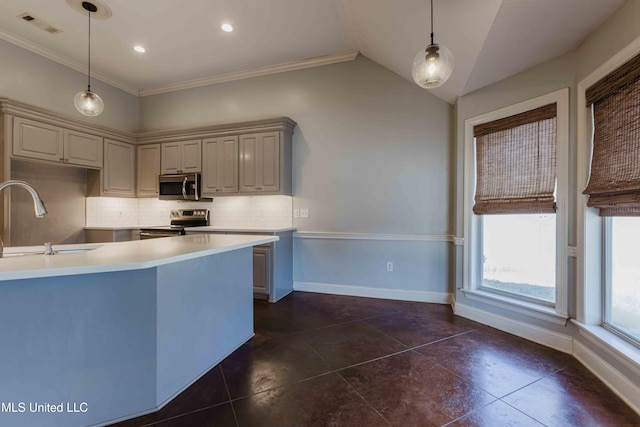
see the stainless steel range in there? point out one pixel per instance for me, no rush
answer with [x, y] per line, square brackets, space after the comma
[180, 219]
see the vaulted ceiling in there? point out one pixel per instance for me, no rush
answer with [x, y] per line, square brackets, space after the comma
[490, 39]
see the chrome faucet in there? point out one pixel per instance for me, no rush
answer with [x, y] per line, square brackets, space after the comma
[38, 205]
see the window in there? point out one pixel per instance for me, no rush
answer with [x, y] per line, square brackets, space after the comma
[519, 255]
[622, 308]
[515, 182]
[515, 205]
[614, 190]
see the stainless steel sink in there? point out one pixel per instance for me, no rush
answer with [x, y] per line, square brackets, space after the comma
[9, 254]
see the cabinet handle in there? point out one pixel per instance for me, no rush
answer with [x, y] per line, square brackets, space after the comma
[258, 188]
[62, 159]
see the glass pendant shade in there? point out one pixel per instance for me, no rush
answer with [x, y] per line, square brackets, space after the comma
[432, 66]
[88, 103]
[85, 101]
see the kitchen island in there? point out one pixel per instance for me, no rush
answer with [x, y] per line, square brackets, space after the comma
[119, 330]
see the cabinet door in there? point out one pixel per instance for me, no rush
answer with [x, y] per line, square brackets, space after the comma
[262, 270]
[170, 159]
[270, 162]
[191, 153]
[260, 162]
[249, 161]
[148, 170]
[220, 165]
[82, 149]
[37, 140]
[119, 163]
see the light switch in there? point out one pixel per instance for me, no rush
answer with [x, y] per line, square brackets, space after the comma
[296, 213]
[304, 213]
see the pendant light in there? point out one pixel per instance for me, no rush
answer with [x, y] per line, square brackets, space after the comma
[433, 66]
[87, 102]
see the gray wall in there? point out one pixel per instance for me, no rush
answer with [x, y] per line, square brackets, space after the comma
[371, 155]
[63, 189]
[32, 79]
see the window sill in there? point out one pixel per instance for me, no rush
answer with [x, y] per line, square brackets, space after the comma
[622, 351]
[530, 309]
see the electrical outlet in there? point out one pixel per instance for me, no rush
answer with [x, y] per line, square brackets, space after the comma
[296, 213]
[389, 266]
[304, 213]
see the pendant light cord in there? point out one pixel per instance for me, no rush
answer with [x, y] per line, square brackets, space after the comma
[431, 21]
[89, 66]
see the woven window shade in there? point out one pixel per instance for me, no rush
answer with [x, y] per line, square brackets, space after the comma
[614, 182]
[516, 163]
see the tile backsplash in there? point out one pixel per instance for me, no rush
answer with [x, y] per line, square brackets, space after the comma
[236, 211]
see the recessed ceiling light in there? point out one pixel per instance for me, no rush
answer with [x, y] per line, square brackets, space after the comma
[139, 49]
[227, 28]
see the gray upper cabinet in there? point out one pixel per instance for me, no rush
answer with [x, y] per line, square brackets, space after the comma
[181, 157]
[119, 164]
[220, 165]
[82, 149]
[37, 140]
[260, 162]
[148, 170]
[41, 141]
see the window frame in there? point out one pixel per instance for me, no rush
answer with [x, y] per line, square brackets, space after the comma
[593, 240]
[472, 259]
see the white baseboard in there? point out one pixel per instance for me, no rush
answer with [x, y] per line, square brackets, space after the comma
[361, 291]
[537, 334]
[618, 383]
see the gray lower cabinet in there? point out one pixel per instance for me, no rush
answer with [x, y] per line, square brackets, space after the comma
[262, 263]
[272, 263]
[102, 235]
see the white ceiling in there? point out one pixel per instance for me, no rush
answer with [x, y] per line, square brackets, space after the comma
[490, 39]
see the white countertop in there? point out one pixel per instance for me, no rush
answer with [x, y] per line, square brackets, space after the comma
[121, 256]
[209, 229]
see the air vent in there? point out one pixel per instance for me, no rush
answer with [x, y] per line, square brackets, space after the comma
[27, 17]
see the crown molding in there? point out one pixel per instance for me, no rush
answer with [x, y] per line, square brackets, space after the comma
[51, 55]
[20, 109]
[274, 124]
[206, 81]
[256, 72]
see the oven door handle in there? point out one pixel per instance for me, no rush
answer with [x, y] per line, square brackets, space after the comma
[184, 188]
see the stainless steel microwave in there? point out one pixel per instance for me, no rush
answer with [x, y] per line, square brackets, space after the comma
[183, 186]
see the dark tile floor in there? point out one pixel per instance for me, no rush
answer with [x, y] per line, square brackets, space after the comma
[326, 360]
